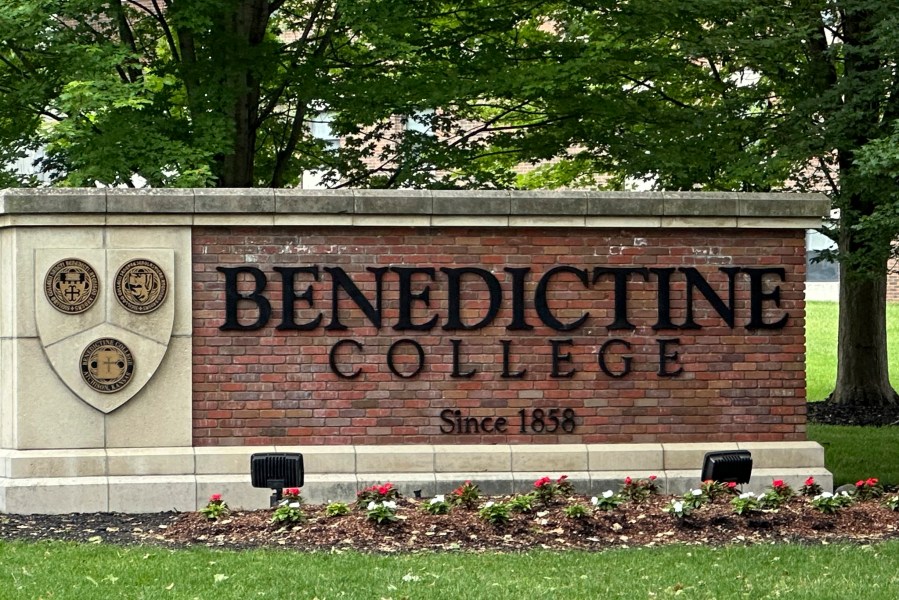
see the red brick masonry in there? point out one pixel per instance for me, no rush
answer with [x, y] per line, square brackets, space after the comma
[271, 386]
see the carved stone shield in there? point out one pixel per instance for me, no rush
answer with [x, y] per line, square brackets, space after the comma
[104, 318]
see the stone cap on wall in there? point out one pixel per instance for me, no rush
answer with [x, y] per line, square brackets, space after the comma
[494, 208]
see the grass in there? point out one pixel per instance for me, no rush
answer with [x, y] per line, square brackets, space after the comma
[59, 570]
[821, 347]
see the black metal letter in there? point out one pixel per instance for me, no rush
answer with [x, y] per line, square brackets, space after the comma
[626, 360]
[332, 359]
[620, 275]
[518, 276]
[456, 372]
[759, 297]
[289, 298]
[404, 320]
[340, 279]
[542, 306]
[557, 344]
[506, 373]
[233, 298]
[421, 357]
[665, 357]
[454, 300]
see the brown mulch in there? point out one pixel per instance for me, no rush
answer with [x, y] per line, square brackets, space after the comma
[828, 413]
[545, 527]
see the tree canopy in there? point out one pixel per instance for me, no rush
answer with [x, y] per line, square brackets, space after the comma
[748, 95]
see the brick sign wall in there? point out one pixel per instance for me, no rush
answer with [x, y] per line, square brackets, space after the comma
[445, 335]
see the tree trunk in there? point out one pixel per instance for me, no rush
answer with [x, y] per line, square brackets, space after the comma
[247, 25]
[862, 368]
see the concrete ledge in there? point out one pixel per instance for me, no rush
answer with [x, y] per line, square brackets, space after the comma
[264, 207]
[159, 479]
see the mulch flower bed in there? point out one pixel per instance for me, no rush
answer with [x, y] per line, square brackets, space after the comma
[548, 526]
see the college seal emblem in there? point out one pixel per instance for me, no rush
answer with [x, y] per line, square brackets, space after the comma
[105, 332]
[140, 286]
[107, 365]
[71, 286]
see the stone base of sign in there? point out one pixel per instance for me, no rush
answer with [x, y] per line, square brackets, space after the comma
[137, 480]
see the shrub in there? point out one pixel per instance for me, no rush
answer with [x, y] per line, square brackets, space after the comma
[547, 489]
[745, 503]
[381, 512]
[783, 491]
[337, 509]
[810, 488]
[216, 508]
[639, 490]
[465, 495]
[576, 511]
[892, 502]
[496, 513]
[437, 505]
[608, 500]
[376, 493]
[695, 499]
[523, 502]
[831, 503]
[716, 489]
[867, 489]
[678, 509]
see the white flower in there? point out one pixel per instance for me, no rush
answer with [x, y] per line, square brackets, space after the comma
[294, 505]
[696, 492]
[608, 494]
[746, 495]
[678, 507]
[594, 500]
[489, 504]
[761, 497]
[438, 499]
[844, 493]
[389, 504]
[823, 495]
[372, 505]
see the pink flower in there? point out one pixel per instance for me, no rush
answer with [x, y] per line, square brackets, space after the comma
[731, 485]
[542, 481]
[652, 477]
[871, 482]
[778, 483]
[860, 483]
[215, 498]
[810, 481]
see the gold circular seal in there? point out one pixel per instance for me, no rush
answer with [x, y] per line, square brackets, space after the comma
[107, 365]
[140, 286]
[71, 286]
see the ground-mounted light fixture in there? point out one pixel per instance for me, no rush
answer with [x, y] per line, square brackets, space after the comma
[276, 471]
[727, 466]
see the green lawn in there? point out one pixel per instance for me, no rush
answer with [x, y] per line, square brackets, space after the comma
[821, 346]
[85, 572]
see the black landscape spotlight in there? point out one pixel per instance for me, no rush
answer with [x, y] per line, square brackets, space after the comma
[276, 471]
[730, 465]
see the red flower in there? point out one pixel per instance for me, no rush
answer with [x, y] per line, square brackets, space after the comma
[860, 483]
[542, 481]
[562, 478]
[215, 498]
[652, 477]
[627, 480]
[731, 485]
[385, 489]
[871, 482]
[292, 492]
[810, 481]
[778, 483]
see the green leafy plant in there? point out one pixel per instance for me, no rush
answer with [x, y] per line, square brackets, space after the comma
[289, 508]
[608, 500]
[376, 493]
[810, 488]
[745, 503]
[548, 490]
[892, 502]
[337, 509]
[639, 490]
[831, 503]
[523, 502]
[868, 489]
[678, 509]
[695, 499]
[496, 513]
[465, 495]
[437, 505]
[576, 511]
[381, 512]
[216, 508]
[716, 489]
[783, 491]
